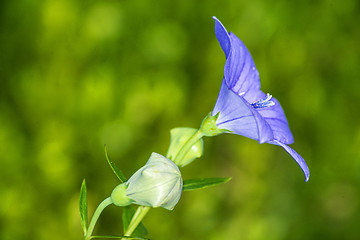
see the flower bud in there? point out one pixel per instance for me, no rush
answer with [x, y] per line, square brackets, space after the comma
[179, 136]
[157, 184]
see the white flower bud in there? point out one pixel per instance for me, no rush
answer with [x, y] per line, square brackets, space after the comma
[157, 184]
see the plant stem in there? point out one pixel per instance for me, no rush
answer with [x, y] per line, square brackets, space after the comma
[136, 219]
[96, 215]
[188, 145]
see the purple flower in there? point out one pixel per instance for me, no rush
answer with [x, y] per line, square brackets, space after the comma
[242, 107]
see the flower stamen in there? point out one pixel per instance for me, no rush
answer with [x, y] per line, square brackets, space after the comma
[262, 103]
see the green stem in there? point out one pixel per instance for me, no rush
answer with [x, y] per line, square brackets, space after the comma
[96, 215]
[188, 145]
[136, 219]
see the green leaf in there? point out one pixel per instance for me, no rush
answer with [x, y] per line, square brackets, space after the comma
[83, 206]
[118, 237]
[199, 183]
[128, 213]
[119, 174]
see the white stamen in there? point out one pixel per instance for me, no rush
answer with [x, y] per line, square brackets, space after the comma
[262, 103]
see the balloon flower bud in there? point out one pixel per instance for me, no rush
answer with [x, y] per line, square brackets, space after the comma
[157, 184]
[179, 137]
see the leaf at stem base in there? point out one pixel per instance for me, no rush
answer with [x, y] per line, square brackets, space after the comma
[118, 237]
[83, 206]
[119, 174]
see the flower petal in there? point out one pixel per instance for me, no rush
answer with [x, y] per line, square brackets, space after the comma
[297, 158]
[173, 197]
[240, 72]
[275, 117]
[222, 36]
[238, 116]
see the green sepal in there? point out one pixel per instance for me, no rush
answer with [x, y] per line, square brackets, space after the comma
[200, 183]
[127, 215]
[119, 174]
[83, 207]
[118, 237]
[179, 136]
[209, 128]
[119, 197]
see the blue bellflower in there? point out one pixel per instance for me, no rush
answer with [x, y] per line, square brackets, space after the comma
[242, 108]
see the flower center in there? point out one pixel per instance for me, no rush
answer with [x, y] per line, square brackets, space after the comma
[262, 103]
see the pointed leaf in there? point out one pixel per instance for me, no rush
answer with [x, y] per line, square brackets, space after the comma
[83, 206]
[199, 183]
[128, 213]
[119, 174]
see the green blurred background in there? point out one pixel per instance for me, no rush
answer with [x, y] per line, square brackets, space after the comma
[75, 75]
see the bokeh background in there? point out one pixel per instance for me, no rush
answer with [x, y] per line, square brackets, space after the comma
[75, 75]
